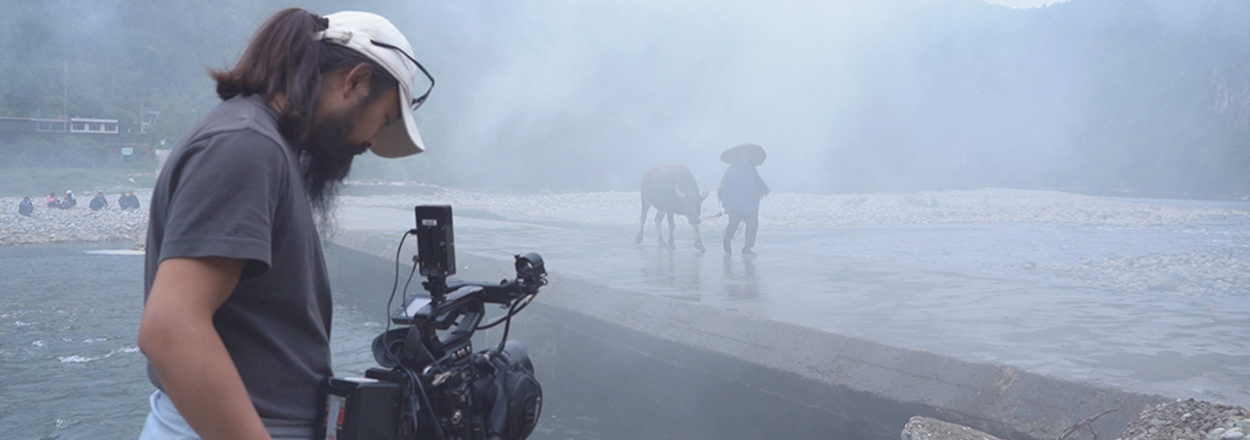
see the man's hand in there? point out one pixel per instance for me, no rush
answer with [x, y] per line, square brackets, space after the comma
[178, 337]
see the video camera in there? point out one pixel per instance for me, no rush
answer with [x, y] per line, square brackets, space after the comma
[432, 385]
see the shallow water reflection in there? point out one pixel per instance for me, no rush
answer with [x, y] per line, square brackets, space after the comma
[1088, 303]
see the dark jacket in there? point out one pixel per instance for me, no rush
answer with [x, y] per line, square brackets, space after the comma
[741, 189]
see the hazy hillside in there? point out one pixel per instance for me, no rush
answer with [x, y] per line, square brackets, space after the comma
[1149, 96]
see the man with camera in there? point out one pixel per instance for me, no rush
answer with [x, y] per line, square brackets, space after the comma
[236, 321]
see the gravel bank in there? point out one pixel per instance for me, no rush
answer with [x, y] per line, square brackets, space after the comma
[621, 208]
[1186, 419]
[75, 225]
[1188, 272]
[1189, 420]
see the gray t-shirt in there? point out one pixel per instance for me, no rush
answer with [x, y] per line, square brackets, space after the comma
[232, 188]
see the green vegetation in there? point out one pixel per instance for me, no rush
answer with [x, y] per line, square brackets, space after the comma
[38, 182]
[39, 164]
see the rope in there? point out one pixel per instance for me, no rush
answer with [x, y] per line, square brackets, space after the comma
[1086, 425]
[721, 214]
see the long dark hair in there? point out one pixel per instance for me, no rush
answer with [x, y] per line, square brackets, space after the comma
[284, 59]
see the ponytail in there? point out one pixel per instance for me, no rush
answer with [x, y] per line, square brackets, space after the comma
[282, 60]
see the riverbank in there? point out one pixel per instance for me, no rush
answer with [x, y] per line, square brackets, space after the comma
[36, 182]
[74, 225]
[620, 208]
[989, 205]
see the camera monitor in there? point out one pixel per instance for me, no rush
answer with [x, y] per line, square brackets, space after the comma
[436, 249]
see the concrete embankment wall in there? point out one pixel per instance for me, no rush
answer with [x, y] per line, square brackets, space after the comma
[646, 366]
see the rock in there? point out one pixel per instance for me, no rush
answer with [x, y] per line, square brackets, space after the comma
[925, 428]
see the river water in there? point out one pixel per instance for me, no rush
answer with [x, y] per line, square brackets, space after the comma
[70, 367]
[1162, 309]
[69, 364]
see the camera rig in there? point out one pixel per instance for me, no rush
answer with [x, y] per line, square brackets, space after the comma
[431, 384]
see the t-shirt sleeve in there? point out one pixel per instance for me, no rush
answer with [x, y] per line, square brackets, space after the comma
[224, 194]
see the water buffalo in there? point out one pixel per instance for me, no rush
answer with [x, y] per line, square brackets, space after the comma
[672, 190]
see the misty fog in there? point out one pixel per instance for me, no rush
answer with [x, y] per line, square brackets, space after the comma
[852, 96]
[1148, 97]
[906, 140]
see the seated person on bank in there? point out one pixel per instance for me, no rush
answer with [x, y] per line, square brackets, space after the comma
[26, 207]
[128, 201]
[98, 202]
[69, 201]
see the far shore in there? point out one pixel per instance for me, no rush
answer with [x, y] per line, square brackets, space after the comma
[621, 209]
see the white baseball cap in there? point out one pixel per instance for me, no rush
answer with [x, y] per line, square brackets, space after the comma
[377, 39]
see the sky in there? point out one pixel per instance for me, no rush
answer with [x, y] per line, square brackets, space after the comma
[1023, 3]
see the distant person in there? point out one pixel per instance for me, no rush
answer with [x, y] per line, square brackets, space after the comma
[69, 201]
[740, 191]
[128, 201]
[26, 207]
[52, 201]
[98, 202]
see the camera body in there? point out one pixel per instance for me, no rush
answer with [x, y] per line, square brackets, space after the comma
[431, 384]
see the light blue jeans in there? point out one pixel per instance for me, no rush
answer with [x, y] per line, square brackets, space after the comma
[166, 423]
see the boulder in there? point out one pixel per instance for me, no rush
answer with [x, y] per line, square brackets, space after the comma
[925, 428]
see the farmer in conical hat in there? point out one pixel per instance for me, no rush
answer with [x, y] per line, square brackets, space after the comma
[740, 191]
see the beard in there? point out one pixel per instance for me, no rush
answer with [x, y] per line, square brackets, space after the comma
[327, 159]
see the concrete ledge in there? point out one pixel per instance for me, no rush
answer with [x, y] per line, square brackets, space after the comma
[660, 367]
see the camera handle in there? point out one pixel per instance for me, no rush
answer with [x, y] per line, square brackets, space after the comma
[461, 311]
[460, 308]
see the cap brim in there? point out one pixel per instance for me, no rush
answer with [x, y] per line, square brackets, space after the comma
[399, 140]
